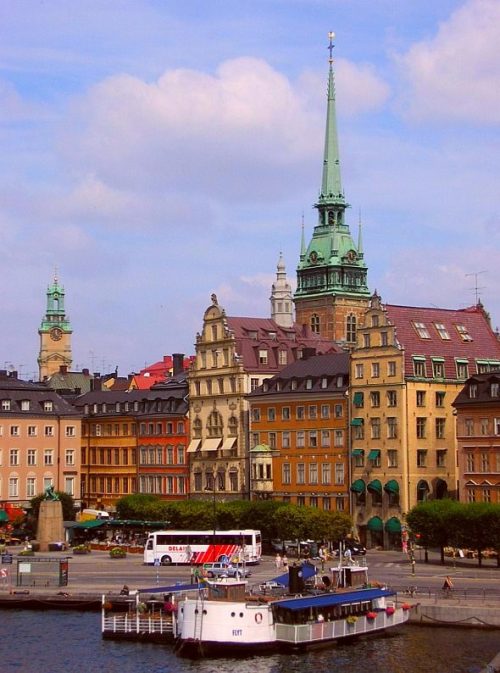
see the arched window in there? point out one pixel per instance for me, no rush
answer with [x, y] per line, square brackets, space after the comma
[315, 323]
[350, 332]
[232, 425]
[422, 490]
[214, 424]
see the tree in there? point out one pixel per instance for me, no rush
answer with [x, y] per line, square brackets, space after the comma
[67, 502]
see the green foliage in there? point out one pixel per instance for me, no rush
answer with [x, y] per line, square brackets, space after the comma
[67, 502]
[118, 552]
[141, 506]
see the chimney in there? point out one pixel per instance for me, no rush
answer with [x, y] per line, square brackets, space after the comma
[85, 372]
[96, 382]
[178, 363]
[63, 369]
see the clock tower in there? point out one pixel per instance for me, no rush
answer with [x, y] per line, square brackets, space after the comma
[332, 291]
[55, 334]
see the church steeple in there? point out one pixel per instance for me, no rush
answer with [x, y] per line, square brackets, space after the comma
[281, 297]
[55, 333]
[331, 269]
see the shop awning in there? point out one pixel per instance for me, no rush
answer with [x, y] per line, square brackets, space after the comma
[375, 524]
[358, 399]
[392, 486]
[357, 421]
[228, 443]
[211, 444]
[393, 525]
[358, 486]
[375, 485]
[357, 452]
[193, 445]
[374, 454]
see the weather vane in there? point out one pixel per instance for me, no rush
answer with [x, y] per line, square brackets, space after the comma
[331, 37]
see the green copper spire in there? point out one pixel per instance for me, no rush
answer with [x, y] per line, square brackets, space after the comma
[55, 315]
[331, 185]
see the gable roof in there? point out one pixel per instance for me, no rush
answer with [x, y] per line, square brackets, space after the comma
[470, 337]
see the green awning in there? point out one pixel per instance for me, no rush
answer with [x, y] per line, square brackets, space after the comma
[357, 452]
[374, 454]
[375, 524]
[358, 399]
[358, 486]
[392, 486]
[393, 525]
[4, 517]
[93, 523]
[357, 421]
[375, 485]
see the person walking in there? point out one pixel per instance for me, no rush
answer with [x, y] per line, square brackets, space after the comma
[447, 586]
[278, 561]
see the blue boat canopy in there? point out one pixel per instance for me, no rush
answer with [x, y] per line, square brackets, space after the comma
[328, 600]
[308, 570]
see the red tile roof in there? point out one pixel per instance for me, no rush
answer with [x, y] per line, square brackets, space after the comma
[483, 343]
[255, 334]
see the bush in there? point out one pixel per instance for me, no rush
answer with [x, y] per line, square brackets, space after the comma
[118, 552]
[82, 549]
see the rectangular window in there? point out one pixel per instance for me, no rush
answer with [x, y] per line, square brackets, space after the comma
[313, 501]
[32, 431]
[301, 439]
[359, 430]
[359, 400]
[325, 411]
[313, 474]
[440, 428]
[462, 370]
[485, 462]
[48, 406]
[375, 398]
[496, 426]
[13, 487]
[285, 440]
[441, 458]
[470, 462]
[14, 457]
[375, 427]
[69, 485]
[366, 340]
[263, 357]
[339, 504]
[271, 414]
[469, 427]
[339, 410]
[485, 426]
[49, 431]
[14, 431]
[442, 331]
[339, 438]
[420, 398]
[440, 397]
[30, 487]
[255, 414]
[300, 413]
[391, 368]
[421, 427]
[392, 398]
[31, 457]
[301, 473]
[438, 369]
[70, 431]
[254, 384]
[392, 458]
[48, 457]
[392, 427]
[326, 474]
[339, 474]
[325, 439]
[375, 370]
[272, 439]
[313, 439]
[359, 371]
[287, 473]
[25, 405]
[313, 412]
[464, 333]
[419, 368]
[70, 457]
[422, 330]
[5, 405]
[421, 457]
[283, 357]
[384, 340]
[285, 413]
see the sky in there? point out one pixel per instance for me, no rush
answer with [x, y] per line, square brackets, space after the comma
[155, 152]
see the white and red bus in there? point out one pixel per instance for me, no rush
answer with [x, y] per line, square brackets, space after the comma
[196, 547]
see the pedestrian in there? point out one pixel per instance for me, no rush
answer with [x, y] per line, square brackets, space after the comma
[278, 562]
[125, 591]
[348, 556]
[447, 585]
[285, 562]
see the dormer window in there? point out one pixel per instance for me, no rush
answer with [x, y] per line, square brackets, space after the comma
[494, 389]
[309, 384]
[473, 391]
[294, 384]
[442, 331]
[464, 333]
[272, 335]
[263, 360]
[422, 330]
[48, 405]
[252, 334]
[324, 382]
[25, 405]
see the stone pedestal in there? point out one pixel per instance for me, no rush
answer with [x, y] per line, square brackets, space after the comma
[50, 524]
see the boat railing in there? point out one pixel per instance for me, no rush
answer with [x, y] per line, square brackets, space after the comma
[136, 623]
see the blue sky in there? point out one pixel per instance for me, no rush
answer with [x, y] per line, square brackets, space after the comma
[156, 152]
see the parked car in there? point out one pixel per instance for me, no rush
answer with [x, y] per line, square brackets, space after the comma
[225, 570]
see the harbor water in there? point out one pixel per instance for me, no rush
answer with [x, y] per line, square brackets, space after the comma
[70, 642]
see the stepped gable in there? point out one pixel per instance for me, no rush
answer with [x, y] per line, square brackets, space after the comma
[255, 334]
[467, 335]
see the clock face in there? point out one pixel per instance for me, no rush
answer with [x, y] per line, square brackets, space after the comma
[55, 333]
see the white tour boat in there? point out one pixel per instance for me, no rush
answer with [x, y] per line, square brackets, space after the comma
[225, 619]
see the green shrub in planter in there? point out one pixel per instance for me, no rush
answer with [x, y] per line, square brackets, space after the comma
[118, 552]
[26, 552]
[81, 549]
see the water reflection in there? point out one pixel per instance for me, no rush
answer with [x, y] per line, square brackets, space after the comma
[71, 643]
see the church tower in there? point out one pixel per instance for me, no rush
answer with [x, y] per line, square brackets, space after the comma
[332, 292]
[281, 297]
[55, 334]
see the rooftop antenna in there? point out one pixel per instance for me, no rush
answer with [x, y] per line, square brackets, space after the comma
[476, 287]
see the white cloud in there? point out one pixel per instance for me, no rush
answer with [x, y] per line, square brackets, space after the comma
[456, 74]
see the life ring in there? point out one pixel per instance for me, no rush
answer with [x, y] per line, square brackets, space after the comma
[258, 617]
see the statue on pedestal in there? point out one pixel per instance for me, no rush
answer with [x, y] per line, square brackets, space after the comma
[50, 494]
